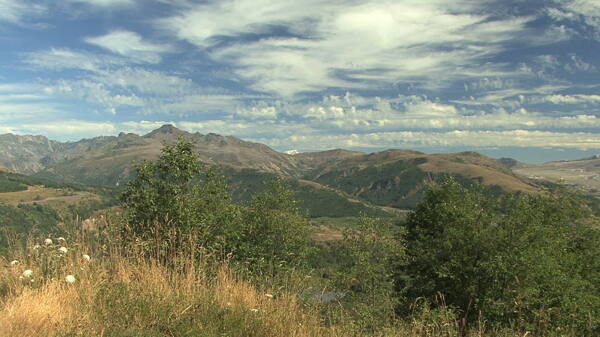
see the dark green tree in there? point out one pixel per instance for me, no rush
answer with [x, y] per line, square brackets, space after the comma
[520, 261]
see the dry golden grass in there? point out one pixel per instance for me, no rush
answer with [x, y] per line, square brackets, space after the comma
[122, 294]
[40, 312]
[52, 307]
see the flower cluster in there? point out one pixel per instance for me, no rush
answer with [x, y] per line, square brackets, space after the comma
[48, 261]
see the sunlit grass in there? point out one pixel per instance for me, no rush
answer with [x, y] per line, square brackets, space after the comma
[104, 289]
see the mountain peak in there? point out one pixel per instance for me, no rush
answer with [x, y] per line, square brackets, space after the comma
[167, 129]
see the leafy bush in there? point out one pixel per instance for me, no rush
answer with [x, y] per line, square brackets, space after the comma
[528, 262]
[176, 199]
[25, 219]
[362, 276]
[273, 234]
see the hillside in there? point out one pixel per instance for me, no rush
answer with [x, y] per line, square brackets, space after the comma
[583, 174]
[396, 178]
[107, 160]
[30, 204]
[339, 181]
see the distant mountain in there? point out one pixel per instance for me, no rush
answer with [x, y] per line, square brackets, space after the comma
[353, 181]
[580, 173]
[107, 160]
[26, 154]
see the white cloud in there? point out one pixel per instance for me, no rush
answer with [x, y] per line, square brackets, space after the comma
[585, 11]
[339, 115]
[199, 104]
[583, 7]
[26, 101]
[346, 45]
[131, 45]
[146, 81]
[22, 111]
[105, 3]
[15, 11]
[567, 99]
[70, 129]
[94, 93]
[147, 92]
[417, 140]
[62, 59]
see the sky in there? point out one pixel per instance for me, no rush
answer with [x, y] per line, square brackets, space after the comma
[518, 78]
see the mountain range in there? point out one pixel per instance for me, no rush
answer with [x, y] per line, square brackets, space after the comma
[330, 183]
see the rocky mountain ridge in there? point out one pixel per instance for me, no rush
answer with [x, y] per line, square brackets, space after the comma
[391, 178]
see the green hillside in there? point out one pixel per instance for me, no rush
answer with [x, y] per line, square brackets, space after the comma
[314, 199]
[37, 205]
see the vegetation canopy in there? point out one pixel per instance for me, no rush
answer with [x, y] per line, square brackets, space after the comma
[176, 199]
[529, 262]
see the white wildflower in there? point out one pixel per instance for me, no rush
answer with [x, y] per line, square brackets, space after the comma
[14, 263]
[269, 295]
[70, 279]
[36, 247]
[254, 310]
[28, 273]
[61, 239]
[86, 257]
[63, 250]
[48, 242]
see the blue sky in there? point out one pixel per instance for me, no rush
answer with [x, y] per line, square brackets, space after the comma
[502, 77]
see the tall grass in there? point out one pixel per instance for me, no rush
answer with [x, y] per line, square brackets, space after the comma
[121, 292]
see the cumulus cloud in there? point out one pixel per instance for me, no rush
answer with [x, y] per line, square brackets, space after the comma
[457, 138]
[131, 45]
[567, 99]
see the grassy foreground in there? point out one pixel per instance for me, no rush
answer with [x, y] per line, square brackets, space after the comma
[116, 293]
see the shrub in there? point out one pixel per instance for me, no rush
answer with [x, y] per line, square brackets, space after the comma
[363, 275]
[521, 261]
[177, 197]
[176, 200]
[273, 235]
